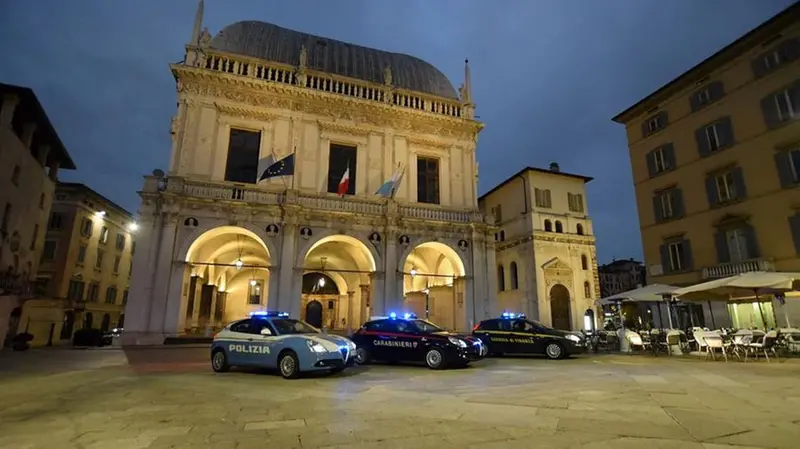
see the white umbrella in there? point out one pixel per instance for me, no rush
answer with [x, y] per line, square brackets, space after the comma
[743, 285]
[648, 293]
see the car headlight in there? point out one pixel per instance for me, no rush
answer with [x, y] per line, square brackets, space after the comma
[574, 338]
[315, 347]
[457, 342]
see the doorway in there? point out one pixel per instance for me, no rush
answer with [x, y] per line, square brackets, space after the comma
[314, 313]
[560, 308]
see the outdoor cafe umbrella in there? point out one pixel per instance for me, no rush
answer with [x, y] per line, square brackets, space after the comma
[648, 293]
[742, 286]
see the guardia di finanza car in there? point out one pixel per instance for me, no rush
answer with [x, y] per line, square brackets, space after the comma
[273, 340]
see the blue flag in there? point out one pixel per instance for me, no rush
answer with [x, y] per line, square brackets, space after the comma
[387, 189]
[264, 164]
[284, 167]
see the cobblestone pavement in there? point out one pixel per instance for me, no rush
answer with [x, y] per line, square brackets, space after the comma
[169, 398]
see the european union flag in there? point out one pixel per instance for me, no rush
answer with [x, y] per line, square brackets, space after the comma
[284, 167]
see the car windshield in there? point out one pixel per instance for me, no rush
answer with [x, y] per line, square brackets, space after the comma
[425, 327]
[289, 326]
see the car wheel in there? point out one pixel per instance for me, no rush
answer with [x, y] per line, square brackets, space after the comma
[219, 361]
[554, 351]
[289, 365]
[362, 356]
[434, 359]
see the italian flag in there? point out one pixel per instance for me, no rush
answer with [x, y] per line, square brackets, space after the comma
[344, 184]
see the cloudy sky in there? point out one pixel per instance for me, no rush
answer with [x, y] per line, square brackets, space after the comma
[547, 75]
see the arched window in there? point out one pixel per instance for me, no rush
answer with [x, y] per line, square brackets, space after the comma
[587, 290]
[579, 229]
[501, 278]
[514, 278]
[584, 262]
[548, 226]
[502, 236]
[559, 226]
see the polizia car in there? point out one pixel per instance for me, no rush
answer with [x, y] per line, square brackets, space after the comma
[515, 334]
[410, 339]
[273, 340]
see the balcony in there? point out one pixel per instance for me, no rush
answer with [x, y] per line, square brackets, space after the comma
[212, 191]
[733, 268]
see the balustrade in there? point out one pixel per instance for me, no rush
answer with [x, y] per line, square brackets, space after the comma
[277, 73]
[733, 268]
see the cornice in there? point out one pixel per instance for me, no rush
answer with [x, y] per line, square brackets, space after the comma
[343, 128]
[428, 143]
[244, 112]
[265, 94]
[562, 238]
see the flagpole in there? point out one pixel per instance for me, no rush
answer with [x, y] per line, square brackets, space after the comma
[294, 171]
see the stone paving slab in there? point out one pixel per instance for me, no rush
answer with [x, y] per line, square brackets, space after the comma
[583, 403]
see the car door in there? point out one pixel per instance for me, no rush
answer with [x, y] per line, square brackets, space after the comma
[492, 334]
[409, 344]
[532, 339]
[236, 341]
[390, 341]
[263, 347]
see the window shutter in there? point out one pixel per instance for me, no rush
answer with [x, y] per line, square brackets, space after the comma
[794, 95]
[702, 141]
[711, 191]
[651, 163]
[645, 129]
[677, 203]
[721, 241]
[759, 68]
[789, 49]
[794, 225]
[725, 132]
[657, 208]
[688, 258]
[752, 241]
[669, 156]
[738, 182]
[770, 111]
[716, 90]
[663, 117]
[664, 251]
[784, 167]
[694, 101]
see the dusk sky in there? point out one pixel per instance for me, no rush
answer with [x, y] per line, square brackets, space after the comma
[547, 75]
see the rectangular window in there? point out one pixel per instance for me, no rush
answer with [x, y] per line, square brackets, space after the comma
[575, 201]
[787, 110]
[772, 60]
[677, 256]
[104, 235]
[243, 153]
[341, 165]
[667, 201]
[86, 227]
[34, 237]
[56, 218]
[116, 264]
[254, 293]
[125, 297]
[704, 96]
[654, 124]
[81, 254]
[712, 137]
[658, 160]
[6, 218]
[75, 290]
[736, 240]
[427, 180]
[111, 295]
[542, 198]
[91, 295]
[794, 164]
[98, 264]
[726, 187]
[498, 214]
[120, 242]
[49, 250]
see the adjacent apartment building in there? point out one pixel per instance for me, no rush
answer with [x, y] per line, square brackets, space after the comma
[716, 163]
[85, 266]
[621, 276]
[546, 257]
[31, 154]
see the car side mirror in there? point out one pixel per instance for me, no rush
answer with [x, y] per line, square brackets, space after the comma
[266, 331]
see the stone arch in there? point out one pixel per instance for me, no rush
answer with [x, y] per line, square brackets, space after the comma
[306, 247]
[579, 229]
[560, 307]
[337, 279]
[548, 226]
[559, 226]
[205, 232]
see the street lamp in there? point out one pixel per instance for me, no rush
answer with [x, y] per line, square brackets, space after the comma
[413, 272]
[239, 264]
[133, 226]
[321, 282]
[100, 214]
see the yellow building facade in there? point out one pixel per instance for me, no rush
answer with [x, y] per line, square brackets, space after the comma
[31, 154]
[85, 269]
[716, 164]
[217, 241]
[546, 255]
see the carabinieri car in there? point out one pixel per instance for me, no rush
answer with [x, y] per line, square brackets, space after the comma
[273, 340]
[515, 334]
[410, 339]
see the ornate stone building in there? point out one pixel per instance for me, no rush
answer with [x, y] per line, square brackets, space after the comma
[546, 257]
[215, 241]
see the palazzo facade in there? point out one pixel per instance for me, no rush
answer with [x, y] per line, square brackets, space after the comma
[216, 242]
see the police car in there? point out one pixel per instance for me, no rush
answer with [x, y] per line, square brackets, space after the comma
[409, 339]
[515, 334]
[273, 340]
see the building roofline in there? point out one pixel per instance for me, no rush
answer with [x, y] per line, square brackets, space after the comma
[585, 179]
[754, 37]
[28, 96]
[84, 187]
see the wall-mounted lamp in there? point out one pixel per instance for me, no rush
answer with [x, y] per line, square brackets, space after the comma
[132, 227]
[321, 282]
[239, 264]
[413, 272]
[100, 214]
[253, 282]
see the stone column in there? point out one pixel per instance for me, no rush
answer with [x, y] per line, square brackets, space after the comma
[392, 296]
[491, 305]
[175, 306]
[137, 311]
[163, 268]
[9, 105]
[350, 311]
[377, 286]
[286, 269]
[198, 303]
[272, 289]
[362, 308]
[292, 301]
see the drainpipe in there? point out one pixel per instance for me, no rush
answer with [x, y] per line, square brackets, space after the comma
[525, 193]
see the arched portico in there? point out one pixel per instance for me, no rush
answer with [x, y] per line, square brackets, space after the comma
[434, 281]
[348, 262]
[226, 275]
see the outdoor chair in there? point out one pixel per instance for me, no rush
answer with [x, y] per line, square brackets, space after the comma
[635, 339]
[715, 342]
[765, 346]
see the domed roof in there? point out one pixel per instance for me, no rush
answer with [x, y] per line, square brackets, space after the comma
[273, 43]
